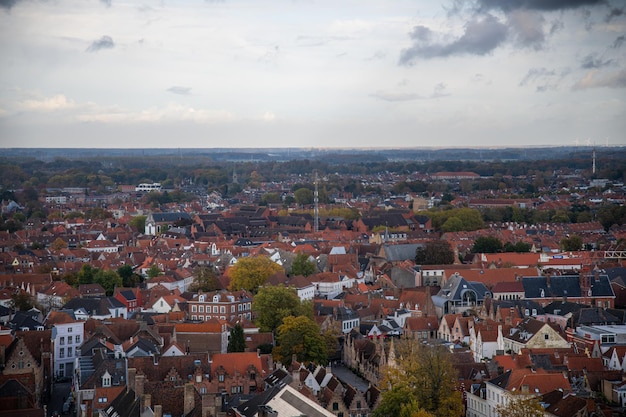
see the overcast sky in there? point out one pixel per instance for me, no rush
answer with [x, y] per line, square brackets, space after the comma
[309, 73]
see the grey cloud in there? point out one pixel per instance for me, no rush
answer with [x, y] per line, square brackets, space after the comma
[593, 61]
[104, 42]
[618, 42]
[107, 3]
[614, 13]
[482, 35]
[543, 5]
[421, 33]
[543, 79]
[527, 27]
[555, 26]
[183, 91]
[8, 4]
[440, 91]
[595, 80]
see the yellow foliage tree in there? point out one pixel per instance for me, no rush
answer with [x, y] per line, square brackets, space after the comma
[250, 273]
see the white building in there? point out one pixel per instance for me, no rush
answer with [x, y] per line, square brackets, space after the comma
[67, 336]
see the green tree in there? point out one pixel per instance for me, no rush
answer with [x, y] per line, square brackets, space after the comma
[434, 252]
[22, 301]
[487, 244]
[273, 303]
[270, 198]
[303, 196]
[236, 342]
[519, 247]
[300, 336]
[108, 279]
[139, 222]
[204, 280]
[129, 278]
[86, 274]
[153, 271]
[422, 381]
[572, 243]
[250, 273]
[453, 224]
[521, 406]
[302, 265]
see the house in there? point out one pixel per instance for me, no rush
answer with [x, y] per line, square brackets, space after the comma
[68, 334]
[157, 222]
[532, 333]
[590, 289]
[208, 336]
[96, 308]
[224, 305]
[458, 295]
[281, 400]
[57, 294]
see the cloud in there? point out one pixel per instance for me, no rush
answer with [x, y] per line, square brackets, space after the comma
[619, 41]
[169, 114]
[482, 35]
[541, 5]
[613, 14]
[593, 61]
[107, 3]
[46, 104]
[105, 42]
[594, 79]
[543, 79]
[527, 27]
[183, 91]
[394, 97]
[8, 4]
[440, 91]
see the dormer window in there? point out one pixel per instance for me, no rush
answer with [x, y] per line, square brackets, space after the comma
[106, 379]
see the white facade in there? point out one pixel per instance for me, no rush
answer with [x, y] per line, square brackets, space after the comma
[66, 339]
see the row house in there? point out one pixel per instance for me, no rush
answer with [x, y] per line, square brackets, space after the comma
[532, 333]
[68, 334]
[222, 305]
[590, 289]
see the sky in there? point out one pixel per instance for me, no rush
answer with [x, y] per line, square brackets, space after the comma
[312, 73]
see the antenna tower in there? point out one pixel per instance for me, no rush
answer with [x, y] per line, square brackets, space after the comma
[317, 208]
[593, 165]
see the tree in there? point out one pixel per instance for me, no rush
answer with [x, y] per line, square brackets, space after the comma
[108, 279]
[302, 265]
[303, 196]
[21, 301]
[153, 271]
[86, 274]
[453, 224]
[300, 336]
[519, 247]
[273, 303]
[521, 406]
[236, 343]
[204, 280]
[435, 252]
[487, 244]
[58, 244]
[572, 243]
[422, 381]
[138, 222]
[250, 273]
[129, 278]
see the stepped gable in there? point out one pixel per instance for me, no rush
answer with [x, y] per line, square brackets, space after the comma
[37, 343]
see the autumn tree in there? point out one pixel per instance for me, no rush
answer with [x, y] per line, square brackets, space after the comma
[204, 280]
[236, 342]
[250, 273]
[139, 222]
[421, 381]
[434, 252]
[300, 336]
[521, 406]
[58, 244]
[273, 303]
[302, 265]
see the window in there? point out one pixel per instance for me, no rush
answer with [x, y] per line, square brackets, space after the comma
[608, 338]
[194, 308]
[222, 309]
[201, 309]
[194, 317]
[232, 309]
[69, 352]
[102, 400]
[335, 406]
[62, 340]
[62, 353]
[215, 310]
[69, 330]
[77, 339]
[220, 377]
[238, 307]
[546, 336]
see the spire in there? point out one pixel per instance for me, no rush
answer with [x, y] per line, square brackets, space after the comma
[391, 359]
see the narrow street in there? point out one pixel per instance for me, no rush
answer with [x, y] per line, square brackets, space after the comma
[60, 391]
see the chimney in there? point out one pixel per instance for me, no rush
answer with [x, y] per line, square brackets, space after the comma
[146, 401]
[189, 402]
[131, 378]
[158, 411]
[140, 380]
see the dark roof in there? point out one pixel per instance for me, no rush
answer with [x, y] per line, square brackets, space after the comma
[170, 217]
[565, 286]
[95, 305]
[125, 405]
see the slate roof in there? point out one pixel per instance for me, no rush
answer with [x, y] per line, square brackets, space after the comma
[94, 306]
[565, 286]
[455, 287]
[169, 217]
[401, 252]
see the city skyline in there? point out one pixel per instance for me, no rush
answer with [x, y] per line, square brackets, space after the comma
[224, 74]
